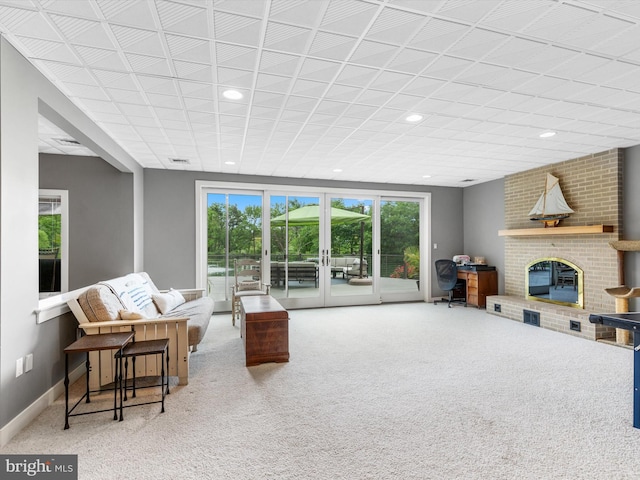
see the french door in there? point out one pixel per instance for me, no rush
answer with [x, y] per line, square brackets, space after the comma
[318, 248]
[321, 250]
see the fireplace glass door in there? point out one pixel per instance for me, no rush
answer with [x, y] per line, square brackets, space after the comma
[555, 280]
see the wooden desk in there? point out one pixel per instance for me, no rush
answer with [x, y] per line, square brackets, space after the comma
[264, 329]
[480, 283]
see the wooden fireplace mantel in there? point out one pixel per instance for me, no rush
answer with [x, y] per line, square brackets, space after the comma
[579, 230]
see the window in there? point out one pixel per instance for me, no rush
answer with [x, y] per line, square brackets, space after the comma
[53, 235]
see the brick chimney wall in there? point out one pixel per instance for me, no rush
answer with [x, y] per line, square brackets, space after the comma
[592, 186]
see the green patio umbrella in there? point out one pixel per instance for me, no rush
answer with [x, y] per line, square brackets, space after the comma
[310, 215]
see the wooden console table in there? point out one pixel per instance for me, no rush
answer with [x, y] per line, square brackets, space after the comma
[480, 283]
[264, 329]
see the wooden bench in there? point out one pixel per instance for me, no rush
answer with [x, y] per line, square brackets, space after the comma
[264, 330]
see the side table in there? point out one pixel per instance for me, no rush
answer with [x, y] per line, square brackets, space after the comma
[146, 347]
[86, 344]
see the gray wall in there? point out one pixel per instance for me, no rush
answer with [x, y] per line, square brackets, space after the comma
[24, 94]
[169, 220]
[101, 217]
[483, 217]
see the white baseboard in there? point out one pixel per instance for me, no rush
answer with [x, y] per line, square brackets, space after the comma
[30, 413]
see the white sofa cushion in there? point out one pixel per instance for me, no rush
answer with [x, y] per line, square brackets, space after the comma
[135, 292]
[168, 301]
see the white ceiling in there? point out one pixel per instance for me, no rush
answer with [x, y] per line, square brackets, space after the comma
[327, 84]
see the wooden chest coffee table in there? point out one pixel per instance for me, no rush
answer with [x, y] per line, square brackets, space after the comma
[264, 329]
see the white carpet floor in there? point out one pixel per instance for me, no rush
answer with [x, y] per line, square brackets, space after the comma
[405, 391]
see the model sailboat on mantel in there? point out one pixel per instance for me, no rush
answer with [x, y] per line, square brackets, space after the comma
[551, 206]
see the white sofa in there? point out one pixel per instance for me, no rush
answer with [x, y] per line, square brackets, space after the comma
[133, 302]
[348, 266]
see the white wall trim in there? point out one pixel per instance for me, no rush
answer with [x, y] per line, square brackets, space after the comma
[30, 413]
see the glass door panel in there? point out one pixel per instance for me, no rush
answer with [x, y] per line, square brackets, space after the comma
[234, 231]
[351, 261]
[400, 249]
[295, 245]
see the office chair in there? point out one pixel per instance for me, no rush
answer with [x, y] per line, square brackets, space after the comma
[447, 272]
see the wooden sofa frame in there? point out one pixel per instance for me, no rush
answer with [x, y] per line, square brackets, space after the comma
[102, 363]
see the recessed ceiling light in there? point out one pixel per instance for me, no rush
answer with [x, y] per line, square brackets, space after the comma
[229, 163]
[337, 170]
[547, 134]
[232, 94]
[426, 176]
[414, 118]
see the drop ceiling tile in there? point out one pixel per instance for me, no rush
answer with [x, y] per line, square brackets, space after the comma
[395, 26]
[196, 89]
[137, 40]
[269, 99]
[101, 58]
[287, 38]
[148, 65]
[159, 100]
[375, 97]
[155, 84]
[117, 80]
[189, 49]
[477, 43]
[265, 113]
[48, 50]
[98, 106]
[199, 105]
[373, 54]
[343, 93]
[557, 22]
[299, 12]
[182, 18]
[237, 29]
[83, 32]
[235, 56]
[309, 88]
[391, 81]
[332, 46]
[348, 17]
[447, 68]
[86, 91]
[234, 77]
[279, 63]
[515, 16]
[193, 71]
[28, 23]
[136, 13]
[439, 35]
[130, 109]
[411, 61]
[318, 70]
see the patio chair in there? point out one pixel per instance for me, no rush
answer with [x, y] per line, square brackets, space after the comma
[248, 281]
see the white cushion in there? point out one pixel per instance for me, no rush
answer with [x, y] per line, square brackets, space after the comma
[128, 315]
[248, 285]
[168, 301]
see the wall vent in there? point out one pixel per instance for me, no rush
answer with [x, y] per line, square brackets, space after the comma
[497, 307]
[531, 318]
[574, 325]
[70, 142]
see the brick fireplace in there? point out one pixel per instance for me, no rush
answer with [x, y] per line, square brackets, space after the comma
[592, 186]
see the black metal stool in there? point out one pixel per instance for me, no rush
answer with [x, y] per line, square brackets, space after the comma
[146, 347]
